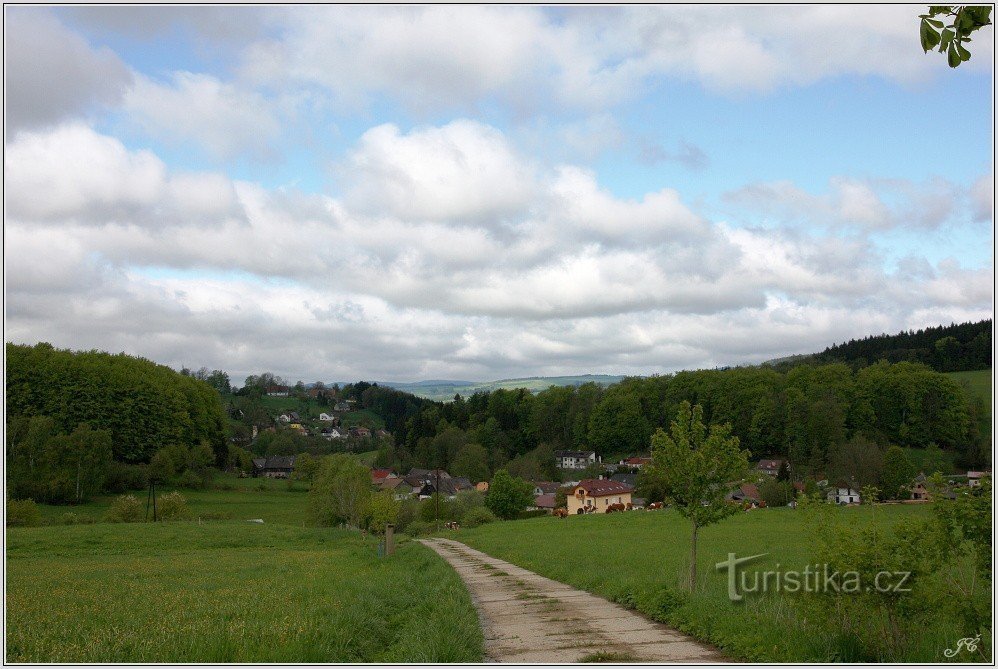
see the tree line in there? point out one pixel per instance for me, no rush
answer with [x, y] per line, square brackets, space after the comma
[945, 348]
[79, 423]
[808, 414]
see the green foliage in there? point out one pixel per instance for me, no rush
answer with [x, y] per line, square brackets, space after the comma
[143, 405]
[172, 506]
[696, 467]
[341, 492]
[125, 509]
[855, 463]
[472, 462]
[507, 496]
[384, 510]
[436, 507]
[57, 468]
[966, 521]
[23, 513]
[306, 468]
[477, 516]
[122, 477]
[897, 475]
[950, 39]
[776, 493]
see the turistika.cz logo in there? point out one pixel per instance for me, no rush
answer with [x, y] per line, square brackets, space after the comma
[813, 578]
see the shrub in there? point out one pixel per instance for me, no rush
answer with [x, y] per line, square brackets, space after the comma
[191, 480]
[23, 513]
[476, 516]
[122, 477]
[418, 528]
[172, 506]
[125, 509]
[532, 513]
[73, 518]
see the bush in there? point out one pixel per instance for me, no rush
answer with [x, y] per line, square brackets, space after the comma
[476, 516]
[172, 506]
[418, 528]
[73, 518]
[122, 477]
[532, 513]
[191, 480]
[23, 513]
[125, 509]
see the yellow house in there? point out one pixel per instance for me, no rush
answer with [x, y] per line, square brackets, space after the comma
[596, 496]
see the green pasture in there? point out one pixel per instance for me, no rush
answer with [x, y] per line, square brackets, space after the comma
[639, 559]
[230, 592]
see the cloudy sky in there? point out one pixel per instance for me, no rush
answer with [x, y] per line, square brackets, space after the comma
[393, 193]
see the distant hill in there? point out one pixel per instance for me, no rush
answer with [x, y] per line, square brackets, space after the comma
[442, 390]
[945, 348]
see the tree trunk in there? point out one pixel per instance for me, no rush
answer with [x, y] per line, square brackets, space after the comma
[693, 558]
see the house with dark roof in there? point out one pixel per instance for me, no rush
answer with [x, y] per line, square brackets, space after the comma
[596, 496]
[575, 459]
[544, 502]
[545, 488]
[274, 466]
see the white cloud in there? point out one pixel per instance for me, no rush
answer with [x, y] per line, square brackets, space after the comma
[52, 74]
[461, 172]
[224, 118]
[563, 277]
[71, 174]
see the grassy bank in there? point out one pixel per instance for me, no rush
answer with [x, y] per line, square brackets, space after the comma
[230, 592]
[638, 558]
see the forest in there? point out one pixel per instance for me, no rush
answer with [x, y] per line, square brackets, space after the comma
[944, 348]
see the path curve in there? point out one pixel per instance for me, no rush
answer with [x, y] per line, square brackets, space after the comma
[529, 618]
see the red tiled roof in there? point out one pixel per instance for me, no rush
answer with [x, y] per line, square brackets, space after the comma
[637, 461]
[544, 501]
[602, 487]
[750, 490]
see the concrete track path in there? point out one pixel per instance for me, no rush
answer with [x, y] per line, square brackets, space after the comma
[528, 618]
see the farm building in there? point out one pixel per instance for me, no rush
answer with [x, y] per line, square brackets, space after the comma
[274, 467]
[596, 496]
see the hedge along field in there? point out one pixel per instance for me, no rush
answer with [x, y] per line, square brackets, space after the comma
[230, 592]
[639, 558]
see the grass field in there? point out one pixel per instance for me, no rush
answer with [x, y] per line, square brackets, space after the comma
[230, 498]
[979, 384]
[230, 592]
[638, 558]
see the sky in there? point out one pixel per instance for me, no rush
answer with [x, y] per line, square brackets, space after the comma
[486, 192]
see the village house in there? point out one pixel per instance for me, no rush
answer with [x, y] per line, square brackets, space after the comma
[331, 433]
[745, 492]
[596, 496]
[545, 488]
[341, 406]
[277, 391]
[381, 434]
[575, 459]
[326, 417]
[482, 486]
[378, 476]
[635, 463]
[545, 502]
[274, 466]
[843, 495]
[770, 467]
[974, 478]
[400, 489]
[360, 432]
[919, 492]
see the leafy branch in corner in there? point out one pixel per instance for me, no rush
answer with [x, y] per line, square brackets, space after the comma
[950, 39]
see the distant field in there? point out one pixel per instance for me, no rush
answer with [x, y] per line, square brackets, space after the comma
[637, 558]
[979, 384]
[445, 390]
[230, 592]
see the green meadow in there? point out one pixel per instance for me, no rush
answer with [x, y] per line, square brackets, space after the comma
[230, 591]
[639, 558]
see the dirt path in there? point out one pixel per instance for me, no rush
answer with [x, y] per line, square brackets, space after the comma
[529, 618]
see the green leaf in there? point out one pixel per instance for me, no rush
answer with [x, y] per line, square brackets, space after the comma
[947, 38]
[935, 22]
[930, 38]
[964, 54]
[952, 57]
